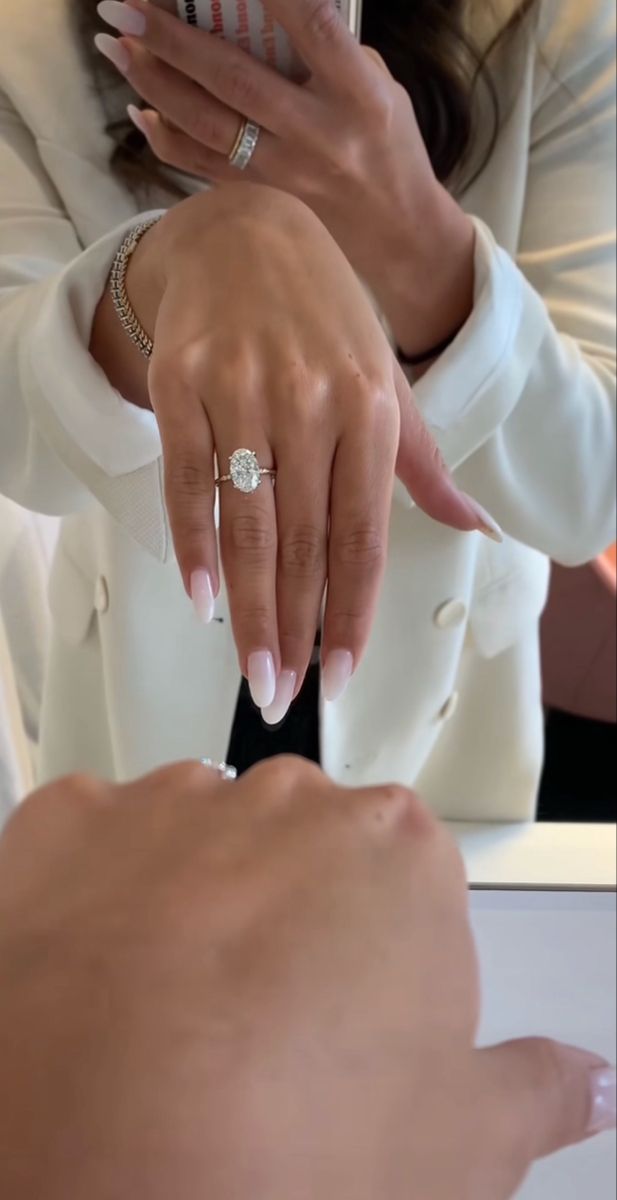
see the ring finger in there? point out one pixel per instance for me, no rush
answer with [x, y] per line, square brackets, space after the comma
[248, 539]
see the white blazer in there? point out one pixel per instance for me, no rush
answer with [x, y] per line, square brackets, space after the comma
[448, 697]
[27, 543]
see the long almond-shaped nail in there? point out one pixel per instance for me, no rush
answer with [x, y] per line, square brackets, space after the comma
[285, 688]
[137, 117]
[486, 523]
[337, 672]
[112, 49]
[202, 595]
[262, 678]
[603, 1101]
[121, 17]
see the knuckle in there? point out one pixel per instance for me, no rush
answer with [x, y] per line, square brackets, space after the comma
[202, 126]
[397, 808]
[372, 391]
[177, 779]
[182, 366]
[283, 776]
[347, 626]
[347, 157]
[322, 20]
[360, 546]
[240, 86]
[78, 789]
[186, 478]
[394, 795]
[251, 536]
[189, 362]
[302, 553]
[547, 1065]
[373, 398]
[381, 104]
[302, 388]
[252, 624]
[422, 821]
[70, 794]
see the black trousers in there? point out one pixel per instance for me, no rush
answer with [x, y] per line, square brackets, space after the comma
[252, 740]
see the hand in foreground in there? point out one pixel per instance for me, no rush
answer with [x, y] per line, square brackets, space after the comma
[256, 990]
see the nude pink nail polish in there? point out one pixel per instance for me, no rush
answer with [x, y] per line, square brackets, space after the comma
[136, 116]
[121, 17]
[603, 1101]
[486, 524]
[336, 674]
[262, 678]
[112, 49]
[202, 595]
[285, 688]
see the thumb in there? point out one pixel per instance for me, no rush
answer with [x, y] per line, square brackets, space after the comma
[422, 470]
[551, 1095]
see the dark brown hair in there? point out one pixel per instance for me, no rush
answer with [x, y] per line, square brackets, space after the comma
[424, 43]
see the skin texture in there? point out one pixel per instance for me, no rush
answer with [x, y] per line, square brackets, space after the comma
[250, 990]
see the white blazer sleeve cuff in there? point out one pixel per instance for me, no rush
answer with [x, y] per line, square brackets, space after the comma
[61, 376]
[478, 381]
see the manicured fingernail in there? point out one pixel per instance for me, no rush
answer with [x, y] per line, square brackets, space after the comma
[202, 595]
[337, 671]
[604, 1101]
[486, 523]
[114, 51]
[138, 119]
[285, 688]
[121, 17]
[262, 678]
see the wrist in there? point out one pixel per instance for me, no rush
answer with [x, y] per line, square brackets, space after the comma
[428, 283]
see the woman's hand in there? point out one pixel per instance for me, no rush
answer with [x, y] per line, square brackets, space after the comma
[346, 142]
[264, 339]
[258, 990]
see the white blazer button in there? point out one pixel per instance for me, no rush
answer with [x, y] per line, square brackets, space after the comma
[450, 707]
[101, 595]
[451, 614]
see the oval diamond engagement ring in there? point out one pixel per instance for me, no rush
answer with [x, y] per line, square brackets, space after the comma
[245, 472]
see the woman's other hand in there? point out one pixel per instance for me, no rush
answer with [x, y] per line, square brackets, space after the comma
[346, 142]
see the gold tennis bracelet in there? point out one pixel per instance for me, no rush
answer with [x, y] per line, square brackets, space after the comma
[117, 284]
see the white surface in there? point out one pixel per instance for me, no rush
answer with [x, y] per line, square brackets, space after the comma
[548, 966]
[557, 856]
